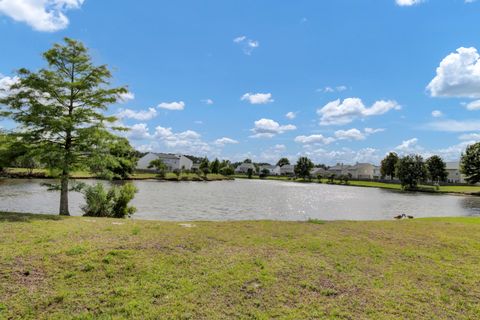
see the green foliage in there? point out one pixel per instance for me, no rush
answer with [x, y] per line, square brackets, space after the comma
[59, 110]
[264, 173]
[117, 161]
[411, 171]
[250, 173]
[282, 162]
[388, 165]
[112, 203]
[205, 166]
[303, 167]
[436, 169]
[215, 166]
[227, 171]
[247, 161]
[160, 167]
[319, 178]
[470, 163]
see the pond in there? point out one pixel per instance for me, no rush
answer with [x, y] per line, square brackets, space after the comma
[250, 200]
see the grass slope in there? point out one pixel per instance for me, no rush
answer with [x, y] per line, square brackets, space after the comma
[90, 268]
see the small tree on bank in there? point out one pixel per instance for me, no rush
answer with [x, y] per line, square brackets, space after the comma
[59, 109]
[303, 167]
[436, 169]
[411, 171]
[470, 163]
[159, 166]
[388, 165]
[204, 167]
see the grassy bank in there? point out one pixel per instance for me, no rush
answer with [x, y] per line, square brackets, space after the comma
[90, 268]
[464, 189]
[41, 173]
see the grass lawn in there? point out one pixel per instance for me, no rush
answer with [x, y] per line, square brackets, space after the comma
[91, 268]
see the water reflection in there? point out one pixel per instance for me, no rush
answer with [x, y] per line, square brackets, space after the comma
[250, 199]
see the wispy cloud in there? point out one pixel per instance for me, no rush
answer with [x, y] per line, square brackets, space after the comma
[247, 45]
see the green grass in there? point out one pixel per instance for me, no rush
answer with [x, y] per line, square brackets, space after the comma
[91, 268]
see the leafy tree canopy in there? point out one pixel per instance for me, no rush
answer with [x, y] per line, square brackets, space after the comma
[470, 163]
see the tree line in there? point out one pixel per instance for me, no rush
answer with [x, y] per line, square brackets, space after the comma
[411, 170]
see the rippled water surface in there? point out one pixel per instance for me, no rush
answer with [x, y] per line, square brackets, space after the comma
[250, 200]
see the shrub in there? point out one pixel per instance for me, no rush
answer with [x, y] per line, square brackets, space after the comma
[111, 203]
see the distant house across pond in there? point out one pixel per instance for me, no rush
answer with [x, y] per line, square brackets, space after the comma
[243, 168]
[172, 161]
[454, 175]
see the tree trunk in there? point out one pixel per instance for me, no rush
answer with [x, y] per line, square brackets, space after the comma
[64, 195]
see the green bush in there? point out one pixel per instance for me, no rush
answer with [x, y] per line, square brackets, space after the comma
[111, 203]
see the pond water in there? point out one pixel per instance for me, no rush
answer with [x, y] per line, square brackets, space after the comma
[250, 200]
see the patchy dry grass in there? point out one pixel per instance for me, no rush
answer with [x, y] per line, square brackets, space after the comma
[90, 268]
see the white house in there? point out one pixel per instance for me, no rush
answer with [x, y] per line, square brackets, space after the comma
[270, 168]
[172, 161]
[243, 168]
[454, 175]
[338, 169]
[360, 171]
[316, 171]
[287, 170]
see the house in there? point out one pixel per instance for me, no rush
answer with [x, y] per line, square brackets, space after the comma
[287, 170]
[338, 169]
[270, 168]
[318, 171]
[243, 168]
[362, 171]
[172, 161]
[454, 175]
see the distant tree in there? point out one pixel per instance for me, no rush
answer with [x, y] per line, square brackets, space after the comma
[282, 162]
[388, 165]
[177, 173]
[205, 166]
[247, 161]
[250, 173]
[160, 167]
[227, 171]
[59, 110]
[470, 163]
[319, 178]
[215, 166]
[303, 167]
[321, 165]
[436, 168]
[264, 173]
[331, 178]
[411, 171]
[118, 161]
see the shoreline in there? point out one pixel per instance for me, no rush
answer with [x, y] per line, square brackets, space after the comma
[377, 184]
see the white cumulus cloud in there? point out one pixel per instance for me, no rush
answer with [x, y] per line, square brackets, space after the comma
[125, 97]
[248, 45]
[142, 115]
[268, 128]
[41, 15]
[223, 141]
[314, 139]
[180, 105]
[5, 85]
[291, 115]
[257, 98]
[474, 105]
[458, 75]
[407, 3]
[437, 113]
[342, 112]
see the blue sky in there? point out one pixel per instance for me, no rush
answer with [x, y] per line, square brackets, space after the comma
[338, 81]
